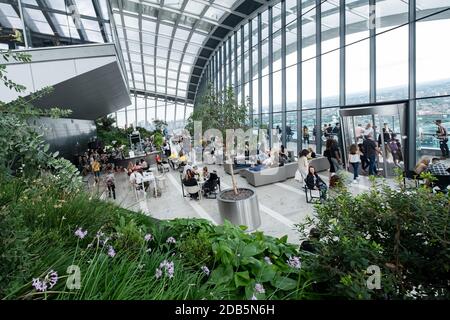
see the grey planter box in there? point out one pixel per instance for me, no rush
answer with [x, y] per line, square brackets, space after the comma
[240, 212]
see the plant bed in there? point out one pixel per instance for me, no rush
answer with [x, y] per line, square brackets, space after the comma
[240, 208]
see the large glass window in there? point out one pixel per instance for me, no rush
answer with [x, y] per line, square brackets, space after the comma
[291, 88]
[309, 84]
[309, 122]
[392, 64]
[357, 65]
[277, 92]
[433, 67]
[428, 111]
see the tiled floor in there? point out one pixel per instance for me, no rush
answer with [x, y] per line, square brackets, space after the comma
[281, 204]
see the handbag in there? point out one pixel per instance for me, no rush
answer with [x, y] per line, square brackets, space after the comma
[298, 176]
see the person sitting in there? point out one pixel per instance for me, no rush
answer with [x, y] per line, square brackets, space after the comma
[190, 181]
[185, 169]
[437, 168]
[137, 166]
[136, 178]
[258, 167]
[308, 245]
[269, 161]
[205, 173]
[284, 153]
[422, 166]
[144, 165]
[312, 154]
[210, 183]
[314, 182]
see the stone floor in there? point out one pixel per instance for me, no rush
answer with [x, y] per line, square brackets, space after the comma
[281, 204]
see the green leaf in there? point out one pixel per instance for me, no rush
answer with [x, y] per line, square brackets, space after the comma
[222, 274]
[268, 273]
[284, 283]
[241, 279]
[251, 250]
[55, 154]
[46, 147]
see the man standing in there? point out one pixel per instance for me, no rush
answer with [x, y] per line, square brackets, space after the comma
[370, 151]
[443, 138]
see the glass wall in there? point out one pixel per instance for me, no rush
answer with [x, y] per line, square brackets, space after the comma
[145, 110]
[367, 59]
[30, 23]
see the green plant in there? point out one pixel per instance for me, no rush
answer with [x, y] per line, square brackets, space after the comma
[240, 261]
[404, 233]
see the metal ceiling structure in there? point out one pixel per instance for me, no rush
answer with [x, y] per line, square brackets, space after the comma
[166, 43]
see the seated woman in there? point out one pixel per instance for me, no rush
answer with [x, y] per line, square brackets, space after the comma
[422, 166]
[311, 154]
[210, 183]
[283, 153]
[205, 173]
[190, 181]
[314, 182]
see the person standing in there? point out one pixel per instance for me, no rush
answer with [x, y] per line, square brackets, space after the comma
[96, 167]
[442, 135]
[111, 183]
[370, 151]
[354, 159]
[306, 135]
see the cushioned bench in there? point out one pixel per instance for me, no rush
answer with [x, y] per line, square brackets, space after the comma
[278, 174]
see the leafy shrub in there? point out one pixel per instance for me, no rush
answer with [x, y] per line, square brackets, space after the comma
[241, 261]
[404, 233]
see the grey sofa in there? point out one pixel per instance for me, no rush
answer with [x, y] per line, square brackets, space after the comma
[236, 169]
[278, 174]
[320, 164]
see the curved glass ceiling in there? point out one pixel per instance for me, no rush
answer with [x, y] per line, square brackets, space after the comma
[162, 40]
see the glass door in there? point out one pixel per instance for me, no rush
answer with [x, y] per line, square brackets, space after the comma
[386, 125]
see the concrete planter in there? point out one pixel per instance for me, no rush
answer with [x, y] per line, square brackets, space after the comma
[240, 212]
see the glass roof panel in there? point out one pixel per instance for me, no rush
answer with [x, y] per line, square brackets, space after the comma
[178, 29]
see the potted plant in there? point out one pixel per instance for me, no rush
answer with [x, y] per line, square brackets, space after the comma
[238, 205]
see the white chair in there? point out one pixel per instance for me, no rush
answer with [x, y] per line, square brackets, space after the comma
[166, 167]
[162, 180]
[192, 190]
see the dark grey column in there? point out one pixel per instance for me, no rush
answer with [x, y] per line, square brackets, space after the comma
[342, 65]
[259, 67]
[250, 70]
[299, 77]
[283, 69]
[270, 62]
[373, 51]
[318, 75]
[412, 112]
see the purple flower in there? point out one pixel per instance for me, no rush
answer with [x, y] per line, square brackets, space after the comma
[259, 288]
[148, 237]
[171, 240]
[168, 267]
[52, 277]
[205, 270]
[80, 233]
[253, 297]
[267, 260]
[49, 281]
[39, 285]
[111, 252]
[294, 262]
